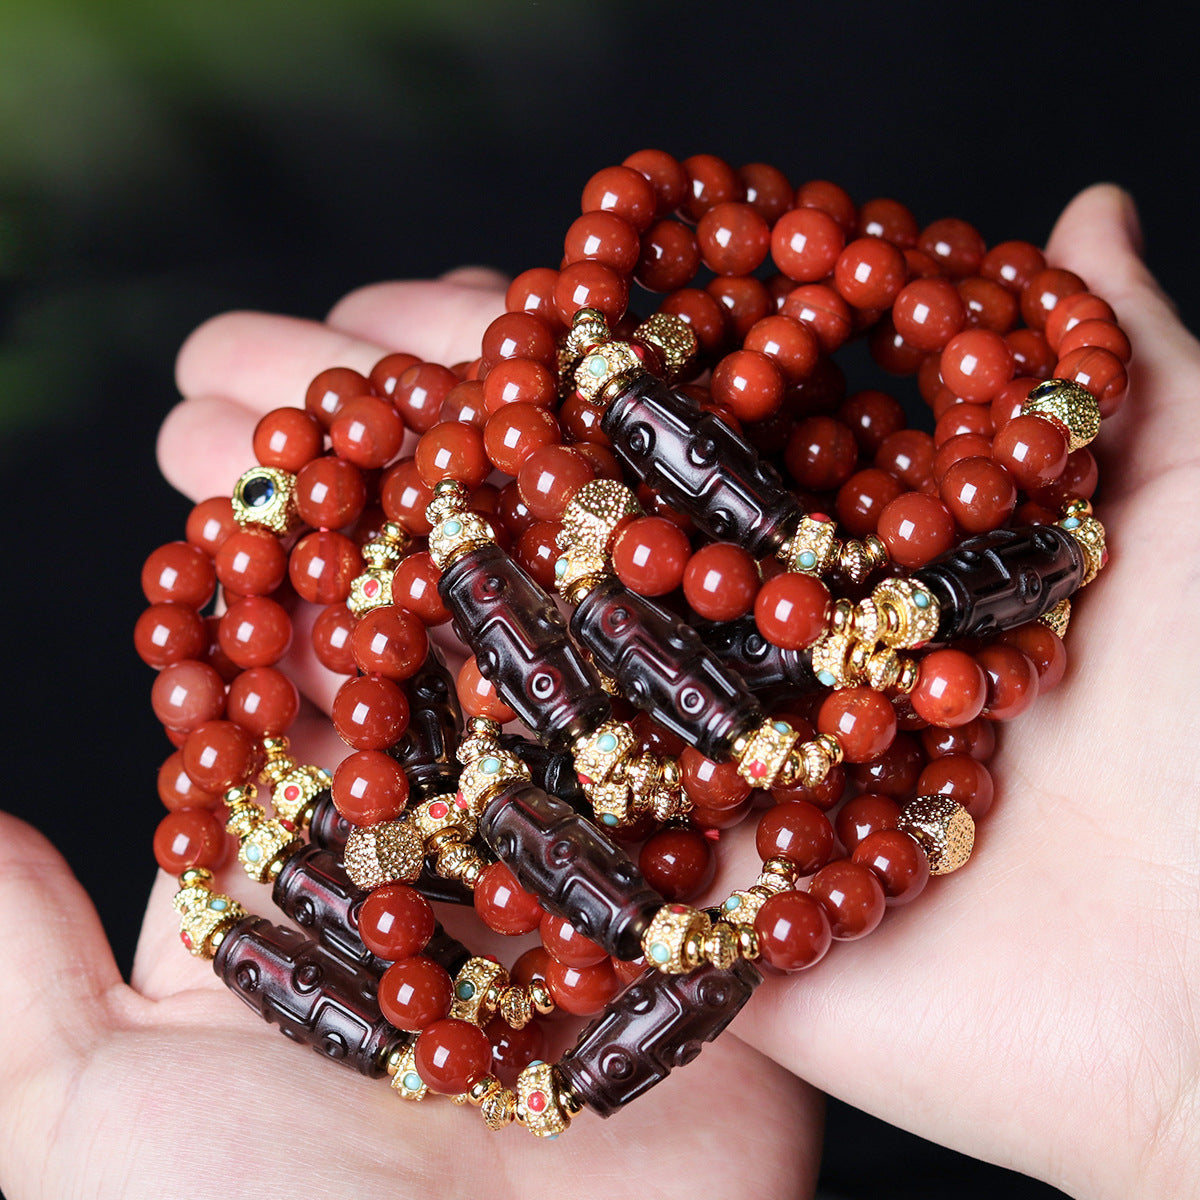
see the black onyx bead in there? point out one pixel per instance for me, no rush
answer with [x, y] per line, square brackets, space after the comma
[663, 667]
[699, 466]
[571, 866]
[1002, 579]
[315, 997]
[658, 1023]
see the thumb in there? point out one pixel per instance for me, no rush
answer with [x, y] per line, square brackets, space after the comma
[1098, 236]
[58, 968]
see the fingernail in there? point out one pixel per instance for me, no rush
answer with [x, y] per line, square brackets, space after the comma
[1132, 222]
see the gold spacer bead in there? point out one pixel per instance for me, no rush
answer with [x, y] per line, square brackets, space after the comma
[943, 828]
[541, 999]
[1068, 405]
[499, 1108]
[748, 944]
[721, 946]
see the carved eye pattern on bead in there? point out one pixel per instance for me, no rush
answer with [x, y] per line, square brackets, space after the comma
[491, 586]
[1029, 585]
[562, 852]
[305, 914]
[691, 700]
[702, 451]
[639, 998]
[246, 977]
[1044, 540]
[616, 1063]
[686, 1053]
[640, 440]
[544, 684]
[308, 977]
[333, 1045]
[713, 993]
[720, 523]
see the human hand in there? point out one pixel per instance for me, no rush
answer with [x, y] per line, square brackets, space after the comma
[1039, 1008]
[168, 1087]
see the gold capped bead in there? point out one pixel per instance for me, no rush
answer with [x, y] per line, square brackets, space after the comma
[483, 777]
[742, 907]
[442, 814]
[603, 364]
[293, 792]
[406, 1081]
[944, 829]
[477, 990]
[813, 548]
[541, 1104]
[1069, 406]
[764, 754]
[908, 612]
[391, 852]
[832, 659]
[589, 328]
[674, 939]
[204, 915]
[265, 496]
[1089, 533]
[577, 570]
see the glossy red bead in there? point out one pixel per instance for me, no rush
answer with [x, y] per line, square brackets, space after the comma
[733, 238]
[721, 581]
[897, 861]
[793, 931]
[869, 273]
[566, 944]
[928, 313]
[186, 694]
[415, 992]
[169, 633]
[979, 493]
[749, 383]
[478, 695]
[792, 610]
[650, 555]
[503, 904]
[370, 713]
[916, 529]
[369, 787]
[331, 389]
[189, 837]
[219, 755]
[951, 688]
[669, 257]
[263, 701]
[210, 522]
[678, 863]
[862, 720]
[255, 632]
[582, 991]
[178, 573]
[367, 432]
[864, 815]
[1012, 681]
[419, 393]
[176, 789]
[956, 246]
[395, 922]
[389, 641]
[451, 1055]
[797, 831]
[1043, 647]
[862, 499]
[852, 897]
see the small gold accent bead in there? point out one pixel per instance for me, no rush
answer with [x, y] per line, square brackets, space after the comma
[943, 828]
[764, 756]
[588, 328]
[541, 1105]
[204, 915]
[405, 1078]
[391, 852]
[265, 496]
[1058, 618]
[440, 814]
[1089, 533]
[476, 990]
[602, 365]
[488, 774]
[673, 337]
[499, 1108]
[1069, 406]
[516, 1006]
[813, 548]
[721, 946]
[909, 613]
[674, 939]
[594, 514]
[539, 995]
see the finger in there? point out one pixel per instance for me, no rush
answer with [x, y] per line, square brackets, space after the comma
[485, 278]
[204, 445]
[1098, 238]
[440, 321]
[58, 966]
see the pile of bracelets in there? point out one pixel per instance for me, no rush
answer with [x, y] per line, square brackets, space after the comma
[694, 580]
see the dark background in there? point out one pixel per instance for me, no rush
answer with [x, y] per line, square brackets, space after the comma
[162, 161]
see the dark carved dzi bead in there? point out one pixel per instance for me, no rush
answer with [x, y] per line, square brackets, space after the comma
[315, 997]
[521, 645]
[659, 1022]
[700, 466]
[314, 890]
[1002, 579]
[760, 663]
[553, 772]
[328, 829]
[426, 751]
[663, 667]
[571, 867]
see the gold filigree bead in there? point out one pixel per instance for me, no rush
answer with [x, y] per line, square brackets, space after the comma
[577, 570]
[612, 804]
[854, 562]
[481, 736]
[762, 755]
[602, 365]
[601, 754]
[778, 874]
[499, 1108]
[908, 613]
[458, 534]
[943, 828]
[1067, 405]
[515, 1006]
[265, 496]
[674, 939]
[456, 860]
[264, 844]
[204, 915]
[674, 339]
[1089, 533]
[406, 1080]
[477, 989]
[832, 660]
[742, 907]
[293, 793]
[813, 548]
[593, 515]
[373, 587]
[1058, 618]
[390, 852]
[542, 1105]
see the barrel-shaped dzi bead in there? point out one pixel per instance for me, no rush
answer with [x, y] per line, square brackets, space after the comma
[663, 667]
[521, 645]
[328, 828]
[314, 997]
[699, 466]
[426, 751]
[314, 890]
[1002, 579]
[658, 1023]
[570, 865]
[761, 664]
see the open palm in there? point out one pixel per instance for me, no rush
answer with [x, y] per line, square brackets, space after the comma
[1036, 1010]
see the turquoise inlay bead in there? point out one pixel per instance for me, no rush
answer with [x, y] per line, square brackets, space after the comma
[808, 559]
[660, 952]
[921, 599]
[596, 365]
[451, 528]
[490, 766]
[606, 743]
[608, 818]
[732, 903]
[413, 1081]
[781, 726]
[560, 567]
[465, 990]
[1070, 523]
[253, 853]
[217, 904]
[827, 679]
